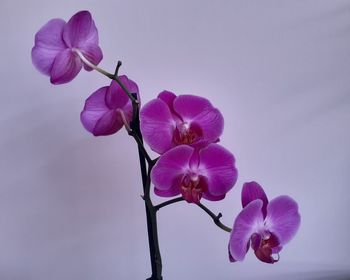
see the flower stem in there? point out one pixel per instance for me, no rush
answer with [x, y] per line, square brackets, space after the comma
[151, 217]
[156, 260]
[216, 218]
[168, 202]
[107, 74]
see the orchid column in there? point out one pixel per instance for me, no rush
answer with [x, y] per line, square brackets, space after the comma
[184, 130]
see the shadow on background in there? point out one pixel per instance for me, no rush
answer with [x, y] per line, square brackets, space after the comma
[322, 275]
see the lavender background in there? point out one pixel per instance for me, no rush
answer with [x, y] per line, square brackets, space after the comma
[279, 72]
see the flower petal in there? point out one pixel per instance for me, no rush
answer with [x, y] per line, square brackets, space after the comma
[248, 221]
[166, 175]
[157, 125]
[48, 44]
[252, 191]
[283, 218]
[211, 197]
[97, 118]
[218, 165]
[199, 111]
[80, 31]
[95, 107]
[93, 53]
[174, 191]
[168, 97]
[108, 124]
[65, 67]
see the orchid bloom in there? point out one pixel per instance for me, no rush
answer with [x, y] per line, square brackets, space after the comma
[209, 173]
[171, 120]
[267, 226]
[109, 108]
[59, 46]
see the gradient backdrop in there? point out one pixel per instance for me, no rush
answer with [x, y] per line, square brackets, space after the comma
[279, 72]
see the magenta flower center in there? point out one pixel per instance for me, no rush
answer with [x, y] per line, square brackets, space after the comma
[187, 133]
[192, 187]
[264, 246]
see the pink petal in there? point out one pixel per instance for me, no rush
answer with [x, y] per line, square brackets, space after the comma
[97, 118]
[218, 165]
[166, 175]
[248, 222]
[157, 125]
[174, 191]
[95, 107]
[108, 124]
[168, 97]
[80, 31]
[48, 44]
[93, 53]
[198, 110]
[252, 191]
[283, 218]
[211, 197]
[116, 97]
[65, 67]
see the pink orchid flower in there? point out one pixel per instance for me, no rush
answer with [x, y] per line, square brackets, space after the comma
[59, 45]
[109, 108]
[264, 225]
[171, 120]
[209, 173]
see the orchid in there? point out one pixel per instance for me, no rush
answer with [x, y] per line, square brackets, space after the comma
[171, 120]
[60, 47]
[267, 226]
[109, 108]
[183, 129]
[209, 173]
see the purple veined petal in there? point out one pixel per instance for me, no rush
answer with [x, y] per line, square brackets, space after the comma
[198, 110]
[97, 118]
[248, 222]
[108, 124]
[218, 165]
[211, 123]
[80, 31]
[48, 44]
[93, 53]
[283, 218]
[171, 166]
[211, 197]
[65, 67]
[252, 191]
[168, 97]
[94, 109]
[157, 125]
[173, 191]
[190, 106]
[116, 96]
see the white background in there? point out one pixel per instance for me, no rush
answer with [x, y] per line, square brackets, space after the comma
[279, 72]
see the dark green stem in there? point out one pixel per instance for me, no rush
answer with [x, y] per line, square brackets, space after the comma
[168, 202]
[216, 218]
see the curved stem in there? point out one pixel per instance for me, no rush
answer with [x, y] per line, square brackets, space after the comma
[107, 74]
[216, 218]
[168, 202]
[91, 65]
